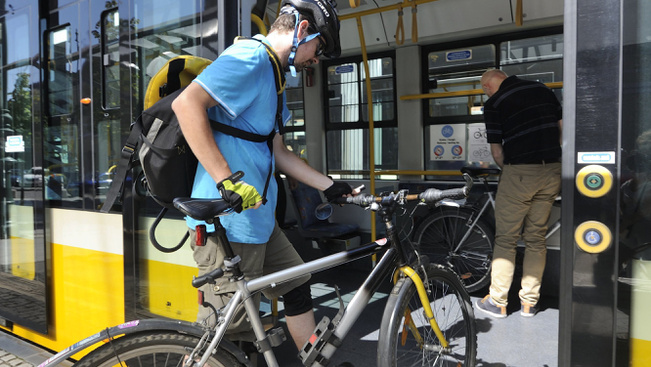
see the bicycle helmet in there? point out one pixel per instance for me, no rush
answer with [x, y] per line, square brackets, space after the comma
[322, 14]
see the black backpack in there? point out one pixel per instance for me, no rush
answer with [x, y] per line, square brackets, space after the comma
[157, 145]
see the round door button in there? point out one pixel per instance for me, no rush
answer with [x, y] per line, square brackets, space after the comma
[593, 237]
[594, 181]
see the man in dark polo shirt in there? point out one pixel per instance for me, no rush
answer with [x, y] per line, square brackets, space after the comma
[523, 125]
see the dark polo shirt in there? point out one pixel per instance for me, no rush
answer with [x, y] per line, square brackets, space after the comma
[523, 116]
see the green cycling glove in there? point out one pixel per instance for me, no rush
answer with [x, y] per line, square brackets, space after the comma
[238, 194]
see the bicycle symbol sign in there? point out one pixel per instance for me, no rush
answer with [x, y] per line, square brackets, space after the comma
[447, 131]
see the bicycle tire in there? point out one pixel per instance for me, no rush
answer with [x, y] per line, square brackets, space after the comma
[453, 312]
[160, 349]
[439, 234]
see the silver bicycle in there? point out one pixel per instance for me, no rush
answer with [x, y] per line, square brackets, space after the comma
[428, 319]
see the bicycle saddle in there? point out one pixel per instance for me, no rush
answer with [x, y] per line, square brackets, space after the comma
[201, 209]
[480, 171]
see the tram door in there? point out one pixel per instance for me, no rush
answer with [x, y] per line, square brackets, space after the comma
[604, 311]
[23, 294]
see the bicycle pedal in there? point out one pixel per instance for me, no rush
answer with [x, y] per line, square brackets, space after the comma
[323, 334]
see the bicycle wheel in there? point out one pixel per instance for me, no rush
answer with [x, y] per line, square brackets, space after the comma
[406, 337]
[160, 349]
[439, 235]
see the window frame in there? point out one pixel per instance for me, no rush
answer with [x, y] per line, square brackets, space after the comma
[360, 123]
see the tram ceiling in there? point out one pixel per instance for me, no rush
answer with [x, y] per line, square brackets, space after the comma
[436, 20]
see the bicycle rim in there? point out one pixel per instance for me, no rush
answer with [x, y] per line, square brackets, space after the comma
[406, 337]
[439, 236]
[156, 349]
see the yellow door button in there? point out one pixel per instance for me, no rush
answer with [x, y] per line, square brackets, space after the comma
[594, 181]
[593, 237]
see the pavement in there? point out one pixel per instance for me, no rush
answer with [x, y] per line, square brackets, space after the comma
[16, 352]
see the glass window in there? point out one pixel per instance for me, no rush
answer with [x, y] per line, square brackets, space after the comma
[347, 152]
[539, 59]
[24, 295]
[343, 92]
[347, 123]
[634, 245]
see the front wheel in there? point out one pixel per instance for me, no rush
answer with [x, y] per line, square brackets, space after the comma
[154, 349]
[406, 336]
[451, 237]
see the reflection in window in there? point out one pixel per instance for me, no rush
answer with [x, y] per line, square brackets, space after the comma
[59, 71]
[347, 125]
[110, 60]
[294, 135]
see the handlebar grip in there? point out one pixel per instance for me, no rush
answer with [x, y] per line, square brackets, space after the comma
[434, 195]
[207, 278]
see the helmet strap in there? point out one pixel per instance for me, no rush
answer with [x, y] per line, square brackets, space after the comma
[296, 43]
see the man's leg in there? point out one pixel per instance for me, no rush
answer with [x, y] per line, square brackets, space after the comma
[535, 229]
[301, 327]
[511, 206]
[297, 297]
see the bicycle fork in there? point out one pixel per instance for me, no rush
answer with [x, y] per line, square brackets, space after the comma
[427, 308]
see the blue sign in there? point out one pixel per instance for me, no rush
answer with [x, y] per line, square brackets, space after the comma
[458, 55]
[447, 131]
[343, 69]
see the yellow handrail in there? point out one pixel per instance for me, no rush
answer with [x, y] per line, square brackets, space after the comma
[461, 93]
[384, 8]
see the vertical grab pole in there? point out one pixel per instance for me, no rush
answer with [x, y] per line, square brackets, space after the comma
[371, 124]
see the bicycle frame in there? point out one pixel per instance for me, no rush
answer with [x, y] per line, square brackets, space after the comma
[347, 315]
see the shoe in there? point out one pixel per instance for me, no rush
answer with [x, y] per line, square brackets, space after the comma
[528, 310]
[487, 305]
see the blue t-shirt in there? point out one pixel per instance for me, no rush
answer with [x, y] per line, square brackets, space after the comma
[241, 80]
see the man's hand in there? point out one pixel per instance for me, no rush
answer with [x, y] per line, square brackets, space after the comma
[337, 190]
[239, 194]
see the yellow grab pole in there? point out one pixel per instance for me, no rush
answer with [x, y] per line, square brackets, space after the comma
[371, 132]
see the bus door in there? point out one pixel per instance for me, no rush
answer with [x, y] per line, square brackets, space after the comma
[606, 266]
[23, 293]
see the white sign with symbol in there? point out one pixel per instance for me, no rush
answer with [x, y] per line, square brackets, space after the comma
[14, 144]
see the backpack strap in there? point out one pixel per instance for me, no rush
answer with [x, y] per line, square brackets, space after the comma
[124, 165]
[279, 78]
[174, 69]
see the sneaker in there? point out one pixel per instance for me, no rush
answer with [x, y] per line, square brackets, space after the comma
[488, 306]
[528, 310]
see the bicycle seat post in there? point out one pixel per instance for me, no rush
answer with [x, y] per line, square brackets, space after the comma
[220, 233]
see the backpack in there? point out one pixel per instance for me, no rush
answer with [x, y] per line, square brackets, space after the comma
[157, 145]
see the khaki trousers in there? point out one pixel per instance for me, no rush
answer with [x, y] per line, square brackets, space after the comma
[525, 195]
[257, 260]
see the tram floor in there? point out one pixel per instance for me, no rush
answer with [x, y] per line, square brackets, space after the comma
[514, 341]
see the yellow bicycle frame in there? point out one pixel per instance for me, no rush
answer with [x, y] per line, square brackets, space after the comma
[422, 294]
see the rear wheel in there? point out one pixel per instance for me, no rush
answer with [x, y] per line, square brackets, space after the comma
[439, 237]
[159, 349]
[406, 336]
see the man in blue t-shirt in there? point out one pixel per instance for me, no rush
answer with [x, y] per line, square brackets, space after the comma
[523, 126]
[239, 89]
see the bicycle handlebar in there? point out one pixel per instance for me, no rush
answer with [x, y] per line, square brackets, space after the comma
[429, 196]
